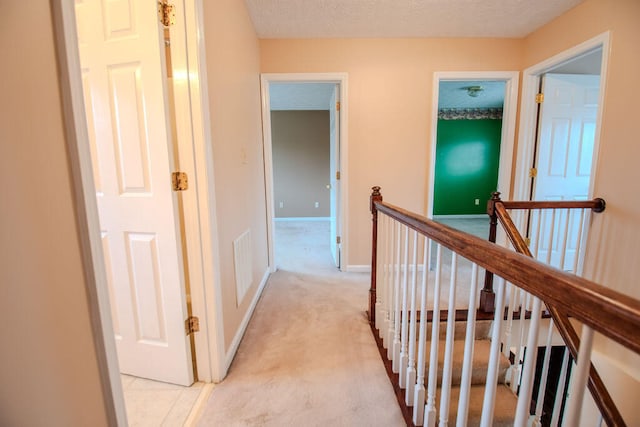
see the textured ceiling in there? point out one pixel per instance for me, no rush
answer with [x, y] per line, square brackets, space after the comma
[402, 18]
[453, 94]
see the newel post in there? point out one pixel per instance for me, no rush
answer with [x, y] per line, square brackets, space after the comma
[375, 197]
[487, 296]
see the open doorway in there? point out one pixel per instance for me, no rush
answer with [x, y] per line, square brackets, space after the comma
[120, 147]
[472, 146]
[557, 156]
[304, 141]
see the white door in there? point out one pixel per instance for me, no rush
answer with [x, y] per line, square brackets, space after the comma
[124, 90]
[334, 168]
[564, 157]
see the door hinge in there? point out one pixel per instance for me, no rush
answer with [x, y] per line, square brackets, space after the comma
[533, 172]
[191, 325]
[527, 240]
[166, 13]
[338, 106]
[337, 175]
[539, 98]
[179, 181]
[338, 240]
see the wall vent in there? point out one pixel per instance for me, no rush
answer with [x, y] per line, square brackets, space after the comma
[243, 265]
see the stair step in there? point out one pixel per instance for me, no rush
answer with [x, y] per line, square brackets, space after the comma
[480, 362]
[504, 410]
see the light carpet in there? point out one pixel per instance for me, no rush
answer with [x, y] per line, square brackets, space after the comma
[308, 357]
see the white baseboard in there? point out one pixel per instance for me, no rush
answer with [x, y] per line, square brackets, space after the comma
[358, 268]
[478, 216]
[304, 218]
[243, 325]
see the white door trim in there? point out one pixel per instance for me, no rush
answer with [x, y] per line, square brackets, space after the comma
[528, 110]
[205, 293]
[341, 79]
[508, 124]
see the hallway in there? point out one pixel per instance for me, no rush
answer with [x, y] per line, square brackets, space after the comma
[308, 356]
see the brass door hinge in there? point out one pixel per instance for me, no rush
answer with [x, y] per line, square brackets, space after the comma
[179, 181]
[338, 176]
[338, 240]
[191, 325]
[539, 98]
[166, 13]
[338, 106]
[527, 241]
[533, 172]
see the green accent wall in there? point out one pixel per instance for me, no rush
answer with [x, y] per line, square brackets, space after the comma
[467, 159]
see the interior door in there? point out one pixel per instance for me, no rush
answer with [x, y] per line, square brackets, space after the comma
[334, 168]
[567, 130]
[124, 81]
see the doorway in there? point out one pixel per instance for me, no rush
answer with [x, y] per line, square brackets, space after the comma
[471, 147]
[559, 134]
[132, 177]
[305, 163]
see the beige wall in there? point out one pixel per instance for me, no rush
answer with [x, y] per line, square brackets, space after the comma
[233, 68]
[48, 368]
[612, 257]
[300, 141]
[390, 118]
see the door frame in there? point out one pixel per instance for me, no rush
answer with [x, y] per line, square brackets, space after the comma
[199, 209]
[529, 110]
[507, 140]
[342, 214]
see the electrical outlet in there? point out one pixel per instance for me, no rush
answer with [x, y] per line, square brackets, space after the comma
[317, 205]
[477, 202]
[281, 205]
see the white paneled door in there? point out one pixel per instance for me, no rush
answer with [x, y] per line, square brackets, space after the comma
[124, 85]
[567, 131]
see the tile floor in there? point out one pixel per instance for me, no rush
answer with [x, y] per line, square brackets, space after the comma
[152, 403]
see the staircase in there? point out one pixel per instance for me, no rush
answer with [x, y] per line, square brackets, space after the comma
[505, 399]
[454, 365]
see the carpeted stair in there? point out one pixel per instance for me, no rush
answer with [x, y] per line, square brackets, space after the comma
[505, 406]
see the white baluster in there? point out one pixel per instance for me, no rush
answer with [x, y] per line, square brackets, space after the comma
[583, 229]
[565, 240]
[419, 393]
[542, 389]
[519, 354]
[528, 369]
[580, 377]
[388, 336]
[445, 391]
[411, 367]
[491, 384]
[405, 314]
[383, 327]
[381, 269]
[513, 297]
[551, 238]
[430, 407]
[395, 348]
[467, 363]
[557, 405]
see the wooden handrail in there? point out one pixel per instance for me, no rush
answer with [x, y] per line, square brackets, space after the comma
[596, 205]
[608, 312]
[602, 397]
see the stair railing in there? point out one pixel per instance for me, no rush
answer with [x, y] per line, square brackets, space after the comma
[551, 223]
[407, 283]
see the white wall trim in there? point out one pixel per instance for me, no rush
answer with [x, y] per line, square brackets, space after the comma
[508, 124]
[343, 211]
[358, 268]
[233, 347]
[528, 110]
[479, 216]
[303, 218]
